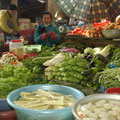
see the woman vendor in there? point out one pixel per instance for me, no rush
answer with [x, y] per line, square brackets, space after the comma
[46, 33]
[8, 23]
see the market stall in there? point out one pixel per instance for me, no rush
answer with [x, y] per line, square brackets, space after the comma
[73, 65]
[48, 81]
[93, 28]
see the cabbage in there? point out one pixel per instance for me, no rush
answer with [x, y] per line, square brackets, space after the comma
[106, 51]
[89, 50]
[97, 50]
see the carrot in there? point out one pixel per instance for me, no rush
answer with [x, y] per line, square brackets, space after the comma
[1, 66]
[14, 62]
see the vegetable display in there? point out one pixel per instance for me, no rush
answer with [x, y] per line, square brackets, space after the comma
[78, 70]
[74, 70]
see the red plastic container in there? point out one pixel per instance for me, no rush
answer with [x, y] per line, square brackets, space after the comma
[8, 115]
[113, 91]
[101, 24]
[30, 55]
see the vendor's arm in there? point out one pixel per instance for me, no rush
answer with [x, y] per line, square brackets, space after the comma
[3, 24]
[37, 36]
[57, 33]
[16, 27]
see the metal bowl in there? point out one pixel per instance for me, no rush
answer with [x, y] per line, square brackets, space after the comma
[114, 33]
[91, 98]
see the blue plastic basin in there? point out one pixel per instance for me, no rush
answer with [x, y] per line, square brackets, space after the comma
[4, 105]
[29, 114]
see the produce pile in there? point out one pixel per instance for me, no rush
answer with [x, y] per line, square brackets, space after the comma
[81, 69]
[9, 58]
[88, 69]
[30, 73]
[76, 70]
[111, 25]
[95, 32]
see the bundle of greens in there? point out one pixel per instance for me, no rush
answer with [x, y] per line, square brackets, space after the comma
[110, 78]
[115, 59]
[13, 77]
[75, 70]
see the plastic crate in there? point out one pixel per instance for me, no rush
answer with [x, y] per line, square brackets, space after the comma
[113, 91]
[30, 55]
[101, 24]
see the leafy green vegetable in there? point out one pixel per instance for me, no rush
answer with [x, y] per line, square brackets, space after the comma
[107, 50]
[110, 78]
[9, 84]
[89, 50]
[13, 77]
[98, 64]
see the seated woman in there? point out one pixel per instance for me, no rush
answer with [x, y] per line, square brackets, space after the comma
[46, 33]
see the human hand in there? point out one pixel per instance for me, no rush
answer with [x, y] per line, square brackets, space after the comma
[44, 36]
[14, 33]
[53, 35]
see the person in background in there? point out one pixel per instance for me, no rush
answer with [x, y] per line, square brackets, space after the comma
[46, 33]
[8, 23]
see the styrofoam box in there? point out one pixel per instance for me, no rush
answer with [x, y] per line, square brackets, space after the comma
[26, 20]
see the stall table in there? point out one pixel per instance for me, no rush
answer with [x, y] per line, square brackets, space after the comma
[95, 42]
